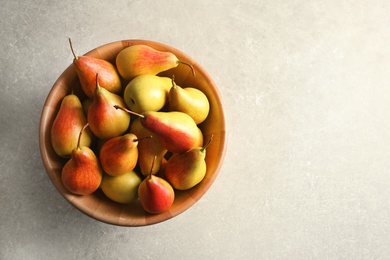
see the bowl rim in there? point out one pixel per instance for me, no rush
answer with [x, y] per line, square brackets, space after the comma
[91, 210]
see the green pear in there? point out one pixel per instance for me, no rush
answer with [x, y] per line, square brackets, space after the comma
[104, 121]
[66, 127]
[189, 100]
[119, 155]
[87, 67]
[147, 93]
[176, 131]
[82, 173]
[141, 59]
[123, 188]
[185, 170]
[156, 194]
[148, 149]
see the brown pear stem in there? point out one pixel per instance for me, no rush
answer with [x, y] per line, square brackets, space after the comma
[81, 132]
[71, 48]
[173, 81]
[189, 65]
[208, 143]
[129, 111]
[142, 138]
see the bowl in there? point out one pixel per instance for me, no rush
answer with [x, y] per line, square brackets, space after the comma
[97, 205]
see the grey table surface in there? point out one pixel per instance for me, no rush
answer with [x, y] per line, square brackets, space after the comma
[306, 86]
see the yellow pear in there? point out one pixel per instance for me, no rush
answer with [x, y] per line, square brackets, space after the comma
[123, 188]
[189, 100]
[147, 93]
[141, 59]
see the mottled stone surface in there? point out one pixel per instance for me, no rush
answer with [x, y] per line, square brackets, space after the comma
[306, 85]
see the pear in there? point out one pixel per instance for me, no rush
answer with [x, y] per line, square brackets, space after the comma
[82, 173]
[148, 149]
[199, 138]
[123, 188]
[87, 67]
[147, 93]
[141, 59]
[119, 154]
[104, 121]
[177, 131]
[66, 127]
[185, 170]
[86, 104]
[156, 194]
[189, 100]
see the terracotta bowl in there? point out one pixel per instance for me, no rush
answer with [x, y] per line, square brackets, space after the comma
[97, 205]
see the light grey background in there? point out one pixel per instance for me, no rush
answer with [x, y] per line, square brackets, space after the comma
[306, 85]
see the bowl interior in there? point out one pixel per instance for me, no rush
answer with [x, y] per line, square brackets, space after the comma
[97, 205]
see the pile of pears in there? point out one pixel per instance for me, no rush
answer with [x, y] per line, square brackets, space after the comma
[135, 135]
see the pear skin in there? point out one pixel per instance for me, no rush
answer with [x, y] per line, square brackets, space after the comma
[199, 142]
[189, 100]
[87, 68]
[141, 59]
[66, 127]
[123, 188]
[82, 173]
[119, 154]
[156, 194]
[147, 93]
[105, 121]
[177, 131]
[185, 170]
[148, 148]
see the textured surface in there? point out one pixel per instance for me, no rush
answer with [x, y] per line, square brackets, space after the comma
[306, 86]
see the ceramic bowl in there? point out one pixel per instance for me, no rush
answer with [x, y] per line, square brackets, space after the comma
[97, 205]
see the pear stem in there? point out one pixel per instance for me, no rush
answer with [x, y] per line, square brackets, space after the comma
[189, 65]
[81, 132]
[173, 81]
[142, 138]
[129, 111]
[208, 143]
[71, 48]
[97, 81]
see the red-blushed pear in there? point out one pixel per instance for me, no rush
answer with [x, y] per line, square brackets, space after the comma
[156, 194]
[148, 149]
[119, 154]
[87, 67]
[189, 100]
[142, 59]
[123, 188]
[177, 131]
[82, 173]
[104, 121]
[66, 127]
[185, 170]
